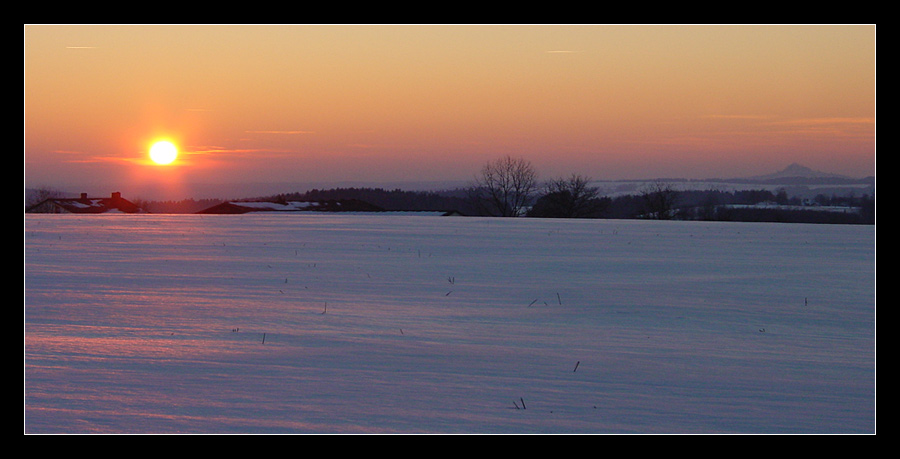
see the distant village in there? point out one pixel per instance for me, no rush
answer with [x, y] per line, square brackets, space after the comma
[115, 203]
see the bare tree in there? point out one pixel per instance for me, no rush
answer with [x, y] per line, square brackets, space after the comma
[34, 200]
[571, 197]
[659, 200]
[505, 187]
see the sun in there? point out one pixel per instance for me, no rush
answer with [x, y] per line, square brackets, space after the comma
[163, 152]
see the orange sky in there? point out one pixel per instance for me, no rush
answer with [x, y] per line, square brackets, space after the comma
[307, 103]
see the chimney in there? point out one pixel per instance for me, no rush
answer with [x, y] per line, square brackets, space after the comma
[83, 196]
[116, 195]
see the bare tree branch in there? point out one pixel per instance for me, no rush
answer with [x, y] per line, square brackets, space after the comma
[505, 187]
[571, 197]
[659, 200]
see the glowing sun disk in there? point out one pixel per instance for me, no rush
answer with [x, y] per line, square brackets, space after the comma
[163, 152]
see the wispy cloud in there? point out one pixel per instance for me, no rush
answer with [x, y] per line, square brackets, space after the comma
[77, 157]
[843, 127]
[216, 153]
[744, 130]
[737, 117]
[80, 157]
[281, 132]
[833, 126]
[832, 121]
[216, 150]
[773, 120]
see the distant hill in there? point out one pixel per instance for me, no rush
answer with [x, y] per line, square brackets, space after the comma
[796, 174]
[796, 171]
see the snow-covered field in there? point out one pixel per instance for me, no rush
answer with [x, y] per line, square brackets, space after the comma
[292, 323]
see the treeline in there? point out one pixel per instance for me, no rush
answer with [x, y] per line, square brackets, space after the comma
[664, 202]
[782, 215]
[684, 205]
[184, 206]
[743, 205]
[391, 200]
[779, 207]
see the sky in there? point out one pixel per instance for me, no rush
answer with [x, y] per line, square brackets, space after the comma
[404, 103]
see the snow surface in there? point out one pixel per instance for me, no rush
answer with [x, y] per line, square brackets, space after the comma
[312, 323]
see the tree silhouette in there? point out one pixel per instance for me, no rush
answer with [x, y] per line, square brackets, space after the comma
[505, 187]
[571, 197]
[659, 200]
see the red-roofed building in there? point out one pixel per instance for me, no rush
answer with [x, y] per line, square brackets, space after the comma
[85, 205]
